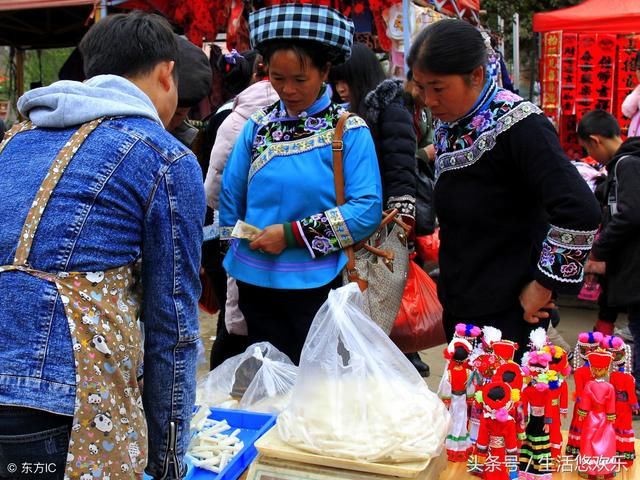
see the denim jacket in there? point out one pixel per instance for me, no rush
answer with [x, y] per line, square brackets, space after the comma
[131, 192]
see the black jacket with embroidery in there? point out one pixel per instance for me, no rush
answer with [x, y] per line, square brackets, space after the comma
[392, 129]
[517, 212]
[619, 241]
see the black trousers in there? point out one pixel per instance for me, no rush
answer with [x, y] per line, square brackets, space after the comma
[282, 317]
[226, 345]
[510, 322]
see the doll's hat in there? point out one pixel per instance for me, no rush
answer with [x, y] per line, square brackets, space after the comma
[504, 395]
[467, 331]
[459, 342]
[599, 359]
[505, 349]
[590, 339]
[509, 367]
[612, 342]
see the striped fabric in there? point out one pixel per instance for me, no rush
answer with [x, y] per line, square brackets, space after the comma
[304, 22]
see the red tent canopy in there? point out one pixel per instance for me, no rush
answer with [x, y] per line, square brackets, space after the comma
[619, 16]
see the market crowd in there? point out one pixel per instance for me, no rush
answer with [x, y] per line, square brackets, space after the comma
[111, 222]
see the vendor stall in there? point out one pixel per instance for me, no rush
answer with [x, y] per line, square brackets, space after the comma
[587, 62]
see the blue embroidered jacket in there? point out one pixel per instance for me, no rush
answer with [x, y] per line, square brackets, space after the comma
[281, 171]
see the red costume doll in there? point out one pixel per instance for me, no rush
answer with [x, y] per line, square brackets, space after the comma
[484, 366]
[456, 388]
[511, 374]
[497, 434]
[535, 452]
[626, 400]
[505, 350]
[559, 370]
[587, 342]
[597, 459]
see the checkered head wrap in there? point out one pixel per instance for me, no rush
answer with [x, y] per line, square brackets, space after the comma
[303, 22]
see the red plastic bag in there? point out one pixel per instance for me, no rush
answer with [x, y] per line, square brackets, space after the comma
[427, 246]
[208, 300]
[419, 321]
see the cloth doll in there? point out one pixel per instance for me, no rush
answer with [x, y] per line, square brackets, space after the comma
[559, 370]
[505, 350]
[626, 400]
[511, 374]
[587, 342]
[456, 389]
[597, 408]
[535, 452]
[497, 434]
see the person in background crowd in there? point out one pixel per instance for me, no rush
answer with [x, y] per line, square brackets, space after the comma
[631, 104]
[616, 251]
[516, 220]
[285, 274]
[363, 88]
[122, 200]
[194, 84]
[231, 334]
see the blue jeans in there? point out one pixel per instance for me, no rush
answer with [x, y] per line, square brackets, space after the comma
[33, 444]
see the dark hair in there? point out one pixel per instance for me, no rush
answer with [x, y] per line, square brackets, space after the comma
[448, 47]
[237, 76]
[362, 72]
[128, 44]
[508, 376]
[460, 353]
[318, 53]
[598, 122]
[497, 393]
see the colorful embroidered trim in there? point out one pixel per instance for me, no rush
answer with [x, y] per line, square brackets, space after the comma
[225, 233]
[318, 235]
[564, 253]
[564, 237]
[406, 204]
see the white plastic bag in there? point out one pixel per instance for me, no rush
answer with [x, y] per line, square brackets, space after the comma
[357, 396]
[260, 380]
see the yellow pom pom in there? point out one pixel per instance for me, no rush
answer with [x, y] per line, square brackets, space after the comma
[515, 395]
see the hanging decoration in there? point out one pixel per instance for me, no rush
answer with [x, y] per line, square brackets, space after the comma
[628, 46]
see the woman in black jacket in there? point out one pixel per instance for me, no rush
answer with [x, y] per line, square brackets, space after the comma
[362, 85]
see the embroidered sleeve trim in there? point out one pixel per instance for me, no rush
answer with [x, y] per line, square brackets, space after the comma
[225, 233]
[486, 141]
[319, 235]
[406, 205]
[564, 253]
[355, 122]
[564, 237]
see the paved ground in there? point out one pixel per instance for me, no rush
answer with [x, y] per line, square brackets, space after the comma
[576, 316]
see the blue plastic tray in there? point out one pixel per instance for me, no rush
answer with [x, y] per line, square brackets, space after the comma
[252, 426]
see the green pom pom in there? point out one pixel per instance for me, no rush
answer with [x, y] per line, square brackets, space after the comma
[479, 396]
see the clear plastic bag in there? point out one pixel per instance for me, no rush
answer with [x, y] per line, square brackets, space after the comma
[357, 396]
[259, 380]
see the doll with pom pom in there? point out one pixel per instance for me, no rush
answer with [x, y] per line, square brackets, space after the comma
[587, 343]
[559, 370]
[535, 453]
[497, 434]
[624, 385]
[597, 408]
[456, 389]
[511, 374]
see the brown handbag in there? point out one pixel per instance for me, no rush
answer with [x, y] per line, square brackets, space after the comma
[378, 264]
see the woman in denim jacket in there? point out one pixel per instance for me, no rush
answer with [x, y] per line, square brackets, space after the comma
[130, 193]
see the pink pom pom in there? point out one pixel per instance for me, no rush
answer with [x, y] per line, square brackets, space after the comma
[545, 358]
[526, 371]
[460, 328]
[617, 342]
[502, 415]
[566, 371]
[583, 337]
[541, 387]
[597, 336]
[475, 331]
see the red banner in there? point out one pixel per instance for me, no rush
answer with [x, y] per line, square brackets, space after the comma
[569, 72]
[626, 75]
[551, 75]
[585, 88]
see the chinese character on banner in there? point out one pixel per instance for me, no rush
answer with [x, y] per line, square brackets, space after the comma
[552, 59]
[603, 75]
[626, 79]
[569, 72]
[588, 57]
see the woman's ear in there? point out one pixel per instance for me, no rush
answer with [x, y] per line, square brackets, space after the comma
[325, 71]
[477, 76]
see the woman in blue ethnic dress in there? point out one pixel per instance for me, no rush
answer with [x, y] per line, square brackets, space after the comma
[279, 178]
[516, 219]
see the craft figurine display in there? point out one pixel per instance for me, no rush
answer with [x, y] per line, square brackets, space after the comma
[504, 350]
[587, 342]
[559, 370]
[597, 408]
[456, 390]
[497, 434]
[470, 333]
[535, 452]
[624, 385]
